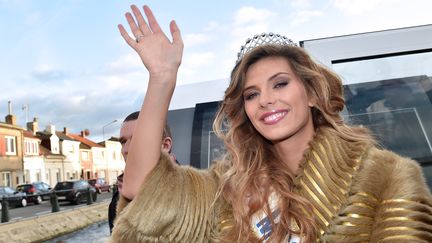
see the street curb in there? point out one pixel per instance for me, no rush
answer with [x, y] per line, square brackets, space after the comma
[49, 226]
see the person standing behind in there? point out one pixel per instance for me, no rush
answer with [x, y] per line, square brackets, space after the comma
[126, 132]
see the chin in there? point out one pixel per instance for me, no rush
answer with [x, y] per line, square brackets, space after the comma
[275, 138]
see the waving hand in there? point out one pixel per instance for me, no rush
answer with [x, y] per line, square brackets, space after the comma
[157, 52]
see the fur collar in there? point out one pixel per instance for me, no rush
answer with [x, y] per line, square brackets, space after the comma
[326, 174]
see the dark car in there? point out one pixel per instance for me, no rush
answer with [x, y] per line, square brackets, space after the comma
[14, 198]
[36, 191]
[74, 191]
[100, 185]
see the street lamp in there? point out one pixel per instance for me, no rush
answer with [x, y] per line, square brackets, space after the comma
[103, 128]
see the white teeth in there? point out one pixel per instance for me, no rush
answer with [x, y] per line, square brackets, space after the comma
[274, 117]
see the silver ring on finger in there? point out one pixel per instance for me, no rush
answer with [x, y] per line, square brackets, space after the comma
[138, 38]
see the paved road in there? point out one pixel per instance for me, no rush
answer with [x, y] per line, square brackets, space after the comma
[33, 210]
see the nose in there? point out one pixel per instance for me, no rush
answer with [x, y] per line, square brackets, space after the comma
[266, 98]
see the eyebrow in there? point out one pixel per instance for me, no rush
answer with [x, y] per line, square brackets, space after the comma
[269, 79]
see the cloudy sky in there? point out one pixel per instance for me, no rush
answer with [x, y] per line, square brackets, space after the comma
[66, 61]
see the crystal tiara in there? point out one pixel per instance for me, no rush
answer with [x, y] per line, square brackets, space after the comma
[263, 39]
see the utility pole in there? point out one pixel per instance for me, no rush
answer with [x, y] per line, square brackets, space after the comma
[103, 128]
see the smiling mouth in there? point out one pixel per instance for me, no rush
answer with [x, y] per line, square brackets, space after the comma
[273, 117]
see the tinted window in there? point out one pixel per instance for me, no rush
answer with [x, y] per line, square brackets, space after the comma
[24, 188]
[39, 186]
[45, 186]
[64, 185]
[9, 190]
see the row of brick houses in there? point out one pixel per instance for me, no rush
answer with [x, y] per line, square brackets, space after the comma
[29, 155]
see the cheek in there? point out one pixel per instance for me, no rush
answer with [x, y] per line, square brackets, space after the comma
[249, 111]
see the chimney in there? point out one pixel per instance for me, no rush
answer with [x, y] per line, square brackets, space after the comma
[33, 126]
[10, 107]
[50, 129]
[85, 133]
[65, 130]
[10, 119]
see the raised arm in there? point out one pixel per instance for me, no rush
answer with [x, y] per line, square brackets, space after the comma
[162, 58]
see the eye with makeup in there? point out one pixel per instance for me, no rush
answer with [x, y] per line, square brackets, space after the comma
[249, 95]
[280, 84]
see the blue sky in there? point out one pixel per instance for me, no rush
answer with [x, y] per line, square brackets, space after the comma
[68, 63]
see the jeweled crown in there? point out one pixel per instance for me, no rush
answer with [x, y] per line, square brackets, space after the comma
[263, 39]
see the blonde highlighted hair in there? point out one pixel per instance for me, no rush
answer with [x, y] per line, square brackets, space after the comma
[253, 164]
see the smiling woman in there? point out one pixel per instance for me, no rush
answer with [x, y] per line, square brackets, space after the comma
[293, 170]
[277, 104]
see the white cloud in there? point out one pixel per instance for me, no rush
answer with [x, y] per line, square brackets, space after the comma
[195, 39]
[249, 21]
[214, 26]
[43, 67]
[193, 65]
[251, 15]
[195, 60]
[304, 16]
[300, 3]
[126, 62]
[355, 7]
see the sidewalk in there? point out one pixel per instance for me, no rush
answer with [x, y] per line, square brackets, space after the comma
[49, 226]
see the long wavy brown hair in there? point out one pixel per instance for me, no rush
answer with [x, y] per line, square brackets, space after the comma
[253, 165]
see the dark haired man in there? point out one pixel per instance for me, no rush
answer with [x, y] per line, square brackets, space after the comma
[126, 132]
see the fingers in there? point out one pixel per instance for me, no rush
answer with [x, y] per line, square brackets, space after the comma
[141, 21]
[131, 42]
[175, 33]
[143, 29]
[152, 20]
[134, 28]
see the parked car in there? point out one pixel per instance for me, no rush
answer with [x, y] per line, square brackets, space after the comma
[74, 191]
[36, 191]
[100, 185]
[13, 197]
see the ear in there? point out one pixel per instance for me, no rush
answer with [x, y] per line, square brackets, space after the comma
[312, 102]
[167, 144]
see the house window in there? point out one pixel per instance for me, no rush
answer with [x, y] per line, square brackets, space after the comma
[27, 176]
[85, 155]
[31, 147]
[58, 176]
[10, 145]
[26, 146]
[7, 179]
[38, 175]
[36, 147]
[54, 148]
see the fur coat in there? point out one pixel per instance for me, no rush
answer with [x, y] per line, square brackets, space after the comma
[359, 194]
